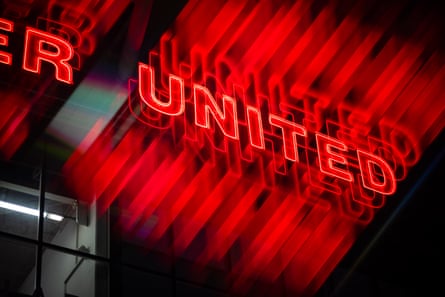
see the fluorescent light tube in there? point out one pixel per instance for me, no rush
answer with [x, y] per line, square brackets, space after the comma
[53, 217]
[29, 211]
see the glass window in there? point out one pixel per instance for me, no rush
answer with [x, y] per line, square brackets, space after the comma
[17, 260]
[18, 211]
[70, 275]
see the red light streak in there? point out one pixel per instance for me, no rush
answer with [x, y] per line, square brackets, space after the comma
[269, 128]
[329, 149]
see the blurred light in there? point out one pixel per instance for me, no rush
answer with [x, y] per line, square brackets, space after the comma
[30, 211]
[53, 217]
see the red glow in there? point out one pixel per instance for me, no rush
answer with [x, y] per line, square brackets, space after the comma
[290, 131]
[328, 148]
[281, 135]
[59, 40]
[366, 161]
[175, 105]
[59, 55]
[85, 22]
[205, 105]
[8, 26]
[41, 46]
[14, 126]
[255, 124]
[329, 159]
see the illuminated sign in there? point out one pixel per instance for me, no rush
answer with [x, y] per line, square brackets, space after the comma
[329, 149]
[273, 128]
[40, 47]
[267, 128]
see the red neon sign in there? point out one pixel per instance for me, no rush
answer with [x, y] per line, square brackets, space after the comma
[5, 25]
[273, 128]
[40, 47]
[329, 150]
[55, 45]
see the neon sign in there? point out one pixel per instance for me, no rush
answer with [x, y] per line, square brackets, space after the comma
[329, 149]
[40, 47]
[278, 129]
[329, 156]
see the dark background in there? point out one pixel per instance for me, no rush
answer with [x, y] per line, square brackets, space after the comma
[401, 253]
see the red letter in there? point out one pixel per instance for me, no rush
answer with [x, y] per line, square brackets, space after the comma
[35, 52]
[327, 157]
[175, 106]
[256, 133]
[227, 119]
[5, 58]
[385, 187]
[290, 131]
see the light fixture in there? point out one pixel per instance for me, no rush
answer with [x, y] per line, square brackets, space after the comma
[29, 211]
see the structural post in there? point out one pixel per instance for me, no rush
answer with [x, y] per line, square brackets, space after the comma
[38, 292]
